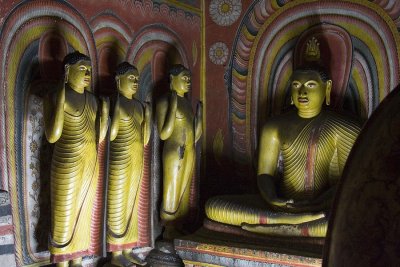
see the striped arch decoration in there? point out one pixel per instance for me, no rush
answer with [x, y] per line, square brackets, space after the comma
[147, 42]
[262, 59]
[21, 117]
[112, 38]
[108, 27]
[157, 37]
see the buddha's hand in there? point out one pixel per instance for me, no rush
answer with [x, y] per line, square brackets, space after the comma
[147, 112]
[281, 203]
[173, 100]
[199, 109]
[105, 105]
[60, 98]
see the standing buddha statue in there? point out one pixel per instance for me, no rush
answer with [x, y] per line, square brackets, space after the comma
[70, 123]
[130, 132]
[180, 130]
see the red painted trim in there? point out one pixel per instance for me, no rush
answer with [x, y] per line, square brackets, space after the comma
[114, 247]
[67, 257]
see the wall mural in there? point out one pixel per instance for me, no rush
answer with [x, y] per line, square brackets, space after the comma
[218, 53]
[225, 12]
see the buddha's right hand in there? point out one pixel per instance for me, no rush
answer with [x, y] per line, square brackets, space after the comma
[147, 111]
[281, 203]
[105, 105]
[199, 109]
[60, 98]
[173, 100]
[54, 115]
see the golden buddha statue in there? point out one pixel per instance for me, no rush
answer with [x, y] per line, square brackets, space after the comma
[130, 131]
[180, 130]
[70, 123]
[302, 154]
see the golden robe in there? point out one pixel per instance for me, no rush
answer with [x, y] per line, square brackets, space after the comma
[125, 173]
[308, 165]
[74, 179]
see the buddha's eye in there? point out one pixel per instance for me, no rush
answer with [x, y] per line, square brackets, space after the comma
[296, 85]
[82, 68]
[133, 78]
[311, 84]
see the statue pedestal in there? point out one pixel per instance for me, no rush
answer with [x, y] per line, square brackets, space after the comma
[217, 244]
[164, 254]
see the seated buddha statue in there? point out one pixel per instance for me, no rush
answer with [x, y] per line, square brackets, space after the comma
[71, 116]
[180, 129]
[302, 154]
[130, 132]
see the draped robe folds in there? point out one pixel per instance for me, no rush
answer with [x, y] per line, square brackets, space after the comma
[178, 159]
[125, 173]
[304, 173]
[74, 179]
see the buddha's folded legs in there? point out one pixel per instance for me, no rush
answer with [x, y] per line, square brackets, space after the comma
[251, 209]
[315, 228]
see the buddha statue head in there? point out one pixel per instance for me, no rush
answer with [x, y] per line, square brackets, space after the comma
[127, 79]
[309, 88]
[180, 79]
[78, 71]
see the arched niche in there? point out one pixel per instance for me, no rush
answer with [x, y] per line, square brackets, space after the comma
[32, 46]
[153, 45]
[112, 37]
[52, 49]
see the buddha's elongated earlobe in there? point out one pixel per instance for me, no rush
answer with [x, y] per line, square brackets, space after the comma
[66, 74]
[171, 77]
[327, 101]
[118, 83]
[291, 100]
[328, 92]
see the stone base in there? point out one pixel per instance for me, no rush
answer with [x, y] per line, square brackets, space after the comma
[232, 246]
[164, 254]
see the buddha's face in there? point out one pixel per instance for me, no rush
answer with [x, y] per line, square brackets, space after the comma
[79, 75]
[181, 82]
[309, 92]
[128, 83]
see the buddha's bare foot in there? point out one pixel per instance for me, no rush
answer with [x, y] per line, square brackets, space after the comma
[121, 261]
[62, 264]
[133, 258]
[76, 262]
